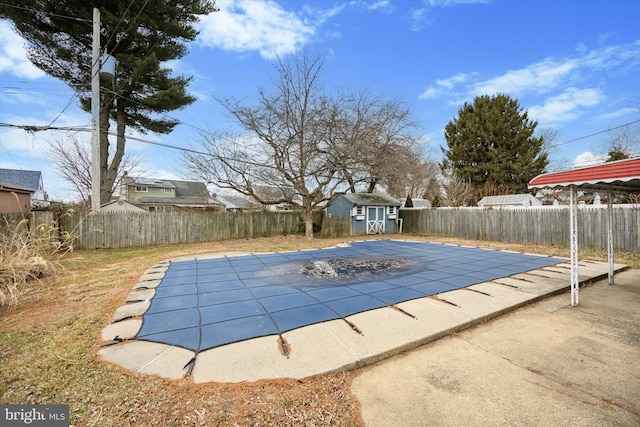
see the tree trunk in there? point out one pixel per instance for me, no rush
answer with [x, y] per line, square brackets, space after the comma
[308, 225]
[372, 185]
[105, 107]
[307, 213]
[114, 167]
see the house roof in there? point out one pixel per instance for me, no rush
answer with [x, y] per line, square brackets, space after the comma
[190, 189]
[180, 201]
[237, 202]
[149, 182]
[26, 179]
[418, 203]
[371, 199]
[182, 188]
[621, 175]
[4, 186]
[507, 199]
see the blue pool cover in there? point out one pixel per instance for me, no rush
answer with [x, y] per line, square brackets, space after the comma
[206, 303]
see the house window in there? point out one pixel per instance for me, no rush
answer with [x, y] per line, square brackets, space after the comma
[167, 190]
[163, 209]
[142, 189]
[391, 210]
[358, 210]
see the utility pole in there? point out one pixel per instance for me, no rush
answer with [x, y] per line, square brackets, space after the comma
[95, 114]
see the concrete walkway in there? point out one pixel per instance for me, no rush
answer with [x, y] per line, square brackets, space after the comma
[547, 364]
[332, 346]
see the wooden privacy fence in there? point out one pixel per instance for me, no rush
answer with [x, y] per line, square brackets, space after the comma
[544, 225]
[127, 229]
[34, 218]
[336, 227]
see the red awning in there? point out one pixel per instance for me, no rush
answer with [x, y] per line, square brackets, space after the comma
[621, 175]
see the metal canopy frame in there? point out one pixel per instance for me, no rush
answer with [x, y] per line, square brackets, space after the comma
[621, 176]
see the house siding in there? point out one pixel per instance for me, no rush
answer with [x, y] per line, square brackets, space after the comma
[133, 195]
[14, 201]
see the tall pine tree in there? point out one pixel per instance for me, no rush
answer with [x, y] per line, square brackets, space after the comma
[491, 145]
[142, 36]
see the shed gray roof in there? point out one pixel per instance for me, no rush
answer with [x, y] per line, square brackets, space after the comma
[371, 199]
[26, 179]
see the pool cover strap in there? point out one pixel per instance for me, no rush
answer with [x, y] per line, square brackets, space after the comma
[205, 303]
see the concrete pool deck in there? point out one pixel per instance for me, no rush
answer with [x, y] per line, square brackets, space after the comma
[334, 345]
[546, 364]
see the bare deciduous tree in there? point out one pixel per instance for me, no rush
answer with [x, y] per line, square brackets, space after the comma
[457, 192]
[304, 145]
[622, 143]
[72, 159]
[287, 149]
[376, 139]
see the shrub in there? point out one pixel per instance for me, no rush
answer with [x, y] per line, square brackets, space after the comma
[27, 255]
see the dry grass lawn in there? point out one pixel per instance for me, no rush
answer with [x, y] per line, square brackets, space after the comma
[49, 344]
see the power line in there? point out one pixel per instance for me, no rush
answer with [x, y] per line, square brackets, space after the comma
[56, 15]
[594, 134]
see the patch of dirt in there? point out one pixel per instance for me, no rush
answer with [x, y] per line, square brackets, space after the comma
[318, 401]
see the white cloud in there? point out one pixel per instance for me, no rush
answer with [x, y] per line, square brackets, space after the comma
[380, 4]
[419, 18]
[547, 75]
[445, 3]
[13, 56]
[430, 93]
[255, 25]
[445, 85]
[565, 106]
[619, 113]
[588, 159]
[539, 77]
[453, 80]
[614, 58]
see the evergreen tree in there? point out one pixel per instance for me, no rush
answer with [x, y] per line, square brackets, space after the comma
[616, 155]
[491, 145]
[409, 202]
[141, 36]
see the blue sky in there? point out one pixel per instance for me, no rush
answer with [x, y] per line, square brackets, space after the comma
[574, 65]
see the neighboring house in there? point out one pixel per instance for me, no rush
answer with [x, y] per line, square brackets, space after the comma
[370, 213]
[273, 192]
[14, 199]
[121, 206]
[417, 204]
[165, 195]
[237, 203]
[31, 180]
[509, 200]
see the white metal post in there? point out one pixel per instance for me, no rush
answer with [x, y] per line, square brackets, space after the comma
[95, 113]
[573, 221]
[610, 234]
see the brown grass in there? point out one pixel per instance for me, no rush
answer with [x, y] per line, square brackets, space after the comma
[28, 256]
[49, 344]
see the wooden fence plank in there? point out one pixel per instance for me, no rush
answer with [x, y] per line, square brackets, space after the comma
[546, 225]
[127, 229]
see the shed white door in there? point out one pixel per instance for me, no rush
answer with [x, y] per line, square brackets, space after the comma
[375, 220]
